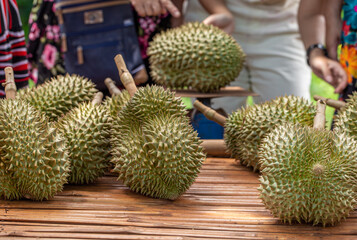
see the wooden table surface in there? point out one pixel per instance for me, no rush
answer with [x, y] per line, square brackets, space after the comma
[223, 203]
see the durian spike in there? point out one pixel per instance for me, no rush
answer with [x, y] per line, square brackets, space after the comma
[114, 90]
[320, 118]
[331, 102]
[98, 97]
[10, 86]
[210, 113]
[125, 76]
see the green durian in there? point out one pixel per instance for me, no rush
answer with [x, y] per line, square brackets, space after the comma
[155, 150]
[308, 175]
[56, 97]
[195, 55]
[245, 128]
[33, 158]
[86, 129]
[116, 102]
[346, 119]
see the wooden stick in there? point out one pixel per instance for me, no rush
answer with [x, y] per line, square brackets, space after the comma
[97, 100]
[125, 76]
[331, 102]
[114, 90]
[10, 86]
[320, 118]
[210, 113]
[215, 147]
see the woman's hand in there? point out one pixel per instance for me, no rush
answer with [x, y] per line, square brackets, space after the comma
[224, 21]
[155, 7]
[329, 70]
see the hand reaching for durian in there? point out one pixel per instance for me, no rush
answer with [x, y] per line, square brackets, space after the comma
[224, 21]
[155, 7]
[329, 70]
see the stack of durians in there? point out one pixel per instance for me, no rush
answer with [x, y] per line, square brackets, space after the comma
[51, 137]
[308, 173]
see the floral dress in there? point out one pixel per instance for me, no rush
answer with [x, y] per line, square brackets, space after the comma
[146, 28]
[348, 55]
[44, 45]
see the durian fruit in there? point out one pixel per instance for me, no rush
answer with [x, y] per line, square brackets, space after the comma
[195, 55]
[346, 119]
[245, 128]
[308, 174]
[155, 150]
[56, 97]
[118, 99]
[87, 133]
[33, 158]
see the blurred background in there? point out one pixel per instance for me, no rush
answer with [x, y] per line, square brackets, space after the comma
[318, 87]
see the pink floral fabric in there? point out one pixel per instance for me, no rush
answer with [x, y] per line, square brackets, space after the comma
[44, 42]
[147, 27]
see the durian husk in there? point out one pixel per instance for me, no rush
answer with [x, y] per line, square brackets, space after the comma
[155, 150]
[346, 119]
[308, 174]
[33, 157]
[58, 96]
[86, 129]
[195, 55]
[245, 128]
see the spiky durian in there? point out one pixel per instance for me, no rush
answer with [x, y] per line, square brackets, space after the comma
[155, 150]
[115, 103]
[87, 133]
[245, 128]
[308, 175]
[195, 55]
[346, 119]
[33, 158]
[58, 96]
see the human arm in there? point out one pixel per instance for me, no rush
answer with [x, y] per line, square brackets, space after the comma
[155, 7]
[333, 26]
[312, 29]
[220, 15]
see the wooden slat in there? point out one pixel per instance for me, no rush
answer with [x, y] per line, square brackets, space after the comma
[223, 92]
[223, 203]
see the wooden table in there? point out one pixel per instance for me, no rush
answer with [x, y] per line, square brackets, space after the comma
[222, 204]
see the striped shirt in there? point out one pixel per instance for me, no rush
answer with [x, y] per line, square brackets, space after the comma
[12, 44]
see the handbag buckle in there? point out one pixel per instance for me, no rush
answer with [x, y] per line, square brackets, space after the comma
[93, 17]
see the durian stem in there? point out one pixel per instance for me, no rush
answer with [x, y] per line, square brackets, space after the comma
[318, 169]
[114, 90]
[331, 102]
[320, 118]
[215, 147]
[210, 113]
[10, 86]
[125, 76]
[97, 100]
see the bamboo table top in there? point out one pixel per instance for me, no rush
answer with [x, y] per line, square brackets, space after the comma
[229, 91]
[223, 203]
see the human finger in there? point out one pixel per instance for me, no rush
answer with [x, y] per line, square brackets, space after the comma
[156, 8]
[171, 8]
[139, 8]
[148, 9]
[340, 76]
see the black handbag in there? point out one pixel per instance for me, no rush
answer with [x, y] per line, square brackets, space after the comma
[93, 32]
